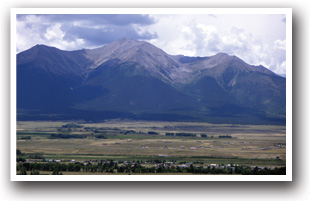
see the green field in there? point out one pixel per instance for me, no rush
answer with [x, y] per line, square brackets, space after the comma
[249, 145]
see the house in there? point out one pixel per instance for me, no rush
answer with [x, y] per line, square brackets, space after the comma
[86, 163]
[182, 166]
[188, 164]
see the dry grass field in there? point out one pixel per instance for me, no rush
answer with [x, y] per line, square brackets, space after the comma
[249, 144]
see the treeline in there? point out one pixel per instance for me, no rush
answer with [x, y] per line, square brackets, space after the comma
[100, 136]
[72, 125]
[225, 136]
[21, 157]
[129, 131]
[112, 167]
[25, 138]
[152, 133]
[99, 131]
[67, 136]
[75, 136]
[181, 134]
[135, 132]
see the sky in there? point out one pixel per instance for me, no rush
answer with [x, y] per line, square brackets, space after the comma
[256, 39]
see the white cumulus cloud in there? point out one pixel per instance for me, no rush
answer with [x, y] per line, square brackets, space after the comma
[256, 39]
[198, 35]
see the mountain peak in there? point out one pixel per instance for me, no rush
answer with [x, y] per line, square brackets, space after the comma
[34, 52]
[127, 43]
[178, 69]
[43, 47]
[222, 54]
[128, 50]
[124, 40]
[40, 46]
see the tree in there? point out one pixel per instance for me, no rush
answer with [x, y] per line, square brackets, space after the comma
[35, 172]
[18, 152]
[56, 172]
[20, 159]
[23, 171]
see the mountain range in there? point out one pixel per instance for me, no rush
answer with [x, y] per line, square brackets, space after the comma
[135, 80]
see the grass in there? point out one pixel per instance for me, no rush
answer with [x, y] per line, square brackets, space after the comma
[253, 145]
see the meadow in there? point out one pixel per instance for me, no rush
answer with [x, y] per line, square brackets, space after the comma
[184, 142]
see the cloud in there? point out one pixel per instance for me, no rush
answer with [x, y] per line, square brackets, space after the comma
[92, 19]
[79, 31]
[28, 31]
[54, 32]
[204, 38]
[256, 39]
[280, 44]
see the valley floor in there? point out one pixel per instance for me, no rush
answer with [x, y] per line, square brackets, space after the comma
[133, 147]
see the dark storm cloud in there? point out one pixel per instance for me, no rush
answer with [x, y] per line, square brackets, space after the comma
[96, 19]
[104, 35]
[94, 29]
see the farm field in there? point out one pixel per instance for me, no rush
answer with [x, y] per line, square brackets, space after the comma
[200, 144]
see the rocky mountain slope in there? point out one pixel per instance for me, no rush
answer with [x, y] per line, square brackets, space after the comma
[134, 79]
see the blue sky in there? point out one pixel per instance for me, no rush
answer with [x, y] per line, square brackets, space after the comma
[257, 39]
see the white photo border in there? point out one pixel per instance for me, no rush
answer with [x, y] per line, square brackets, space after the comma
[285, 11]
